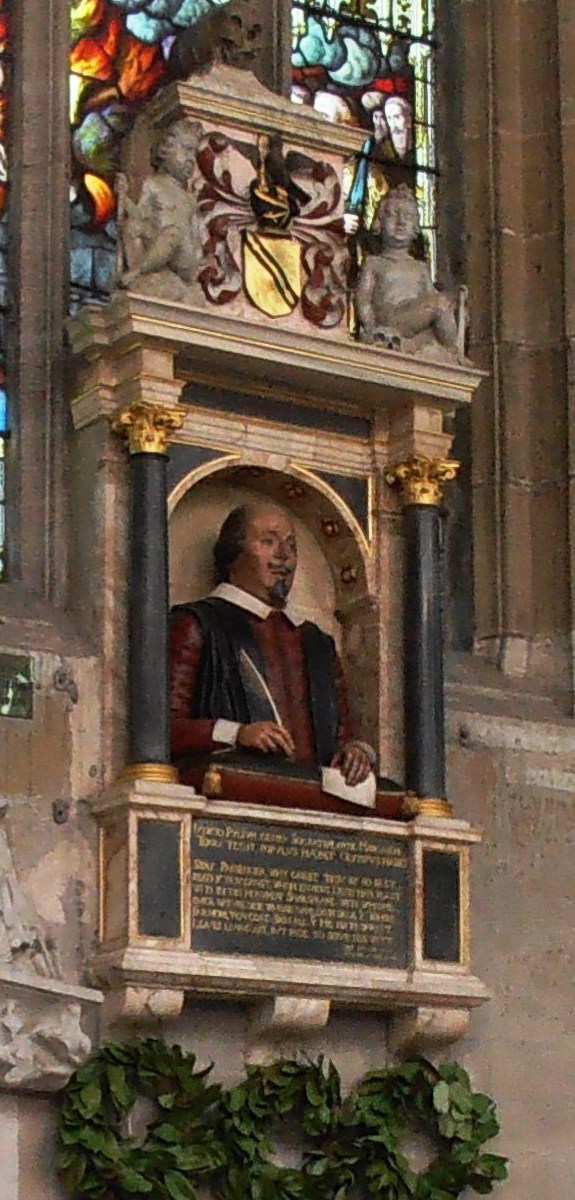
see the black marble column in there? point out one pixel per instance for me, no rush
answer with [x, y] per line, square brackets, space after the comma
[149, 428]
[421, 482]
[423, 648]
[148, 689]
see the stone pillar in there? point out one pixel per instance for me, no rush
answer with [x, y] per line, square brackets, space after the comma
[566, 42]
[512, 212]
[149, 428]
[38, 221]
[420, 480]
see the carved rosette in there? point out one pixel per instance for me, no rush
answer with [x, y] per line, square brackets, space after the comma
[149, 428]
[421, 479]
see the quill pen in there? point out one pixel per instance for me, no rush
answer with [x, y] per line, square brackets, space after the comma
[256, 683]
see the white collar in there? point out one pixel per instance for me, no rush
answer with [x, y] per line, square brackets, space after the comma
[251, 604]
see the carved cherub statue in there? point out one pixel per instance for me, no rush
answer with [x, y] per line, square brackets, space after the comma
[398, 305]
[159, 235]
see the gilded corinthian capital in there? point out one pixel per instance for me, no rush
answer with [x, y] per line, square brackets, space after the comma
[149, 427]
[421, 479]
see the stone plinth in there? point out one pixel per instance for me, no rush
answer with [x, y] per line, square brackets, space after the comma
[180, 915]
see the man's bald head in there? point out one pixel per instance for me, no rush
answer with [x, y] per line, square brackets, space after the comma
[256, 550]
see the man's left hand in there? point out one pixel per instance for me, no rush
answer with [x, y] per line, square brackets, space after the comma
[353, 762]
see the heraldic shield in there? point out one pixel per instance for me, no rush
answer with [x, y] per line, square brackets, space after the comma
[272, 272]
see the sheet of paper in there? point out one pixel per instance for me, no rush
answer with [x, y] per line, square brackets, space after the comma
[333, 782]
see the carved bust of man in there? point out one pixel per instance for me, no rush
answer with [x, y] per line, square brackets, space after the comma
[398, 305]
[248, 671]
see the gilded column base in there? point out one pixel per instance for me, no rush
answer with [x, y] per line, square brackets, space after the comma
[153, 772]
[426, 806]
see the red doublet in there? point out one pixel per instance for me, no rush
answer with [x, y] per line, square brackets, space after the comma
[282, 648]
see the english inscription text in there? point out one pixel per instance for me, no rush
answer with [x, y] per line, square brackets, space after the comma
[305, 893]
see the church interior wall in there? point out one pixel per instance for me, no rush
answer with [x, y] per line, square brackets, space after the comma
[510, 752]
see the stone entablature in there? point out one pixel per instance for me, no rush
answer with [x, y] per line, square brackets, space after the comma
[143, 348]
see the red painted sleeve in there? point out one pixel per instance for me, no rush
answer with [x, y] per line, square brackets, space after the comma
[189, 735]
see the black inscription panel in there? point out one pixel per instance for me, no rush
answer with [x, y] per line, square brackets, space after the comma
[301, 893]
[159, 887]
[441, 900]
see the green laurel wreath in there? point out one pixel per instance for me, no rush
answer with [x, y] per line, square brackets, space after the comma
[181, 1147]
[201, 1134]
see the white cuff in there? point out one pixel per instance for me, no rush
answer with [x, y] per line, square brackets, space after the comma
[226, 731]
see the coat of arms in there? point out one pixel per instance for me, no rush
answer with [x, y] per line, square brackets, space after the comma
[272, 266]
[272, 229]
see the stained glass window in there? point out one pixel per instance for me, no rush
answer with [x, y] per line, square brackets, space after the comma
[4, 80]
[122, 51]
[370, 63]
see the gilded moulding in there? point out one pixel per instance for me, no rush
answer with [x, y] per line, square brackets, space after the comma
[149, 428]
[426, 806]
[151, 772]
[421, 479]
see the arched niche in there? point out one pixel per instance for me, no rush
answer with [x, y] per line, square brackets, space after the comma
[335, 569]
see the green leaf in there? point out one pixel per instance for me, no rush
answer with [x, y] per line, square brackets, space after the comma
[466, 1153]
[237, 1098]
[447, 1126]
[118, 1052]
[167, 1133]
[133, 1181]
[313, 1094]
[453, 1073]
[90, 1100]
[122, 1094]
[480, 1184]
[70, 1136]
[178, 1186]
[493, 1165]
[75, 1172]
[318, 1167]
[460, 1096]
[100, 1141]
[441, 1097]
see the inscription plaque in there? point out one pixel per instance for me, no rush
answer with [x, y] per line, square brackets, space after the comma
[441, 901]
[260, 888]
[159, 887]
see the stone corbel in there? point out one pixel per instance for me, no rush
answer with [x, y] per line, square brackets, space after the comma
[426, 1030]
[143, 1006]
[41, 1036]
[282, 1024]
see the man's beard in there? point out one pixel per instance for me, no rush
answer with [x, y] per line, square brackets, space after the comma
[280, 590]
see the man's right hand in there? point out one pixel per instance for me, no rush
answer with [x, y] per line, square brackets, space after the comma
[266, 736]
